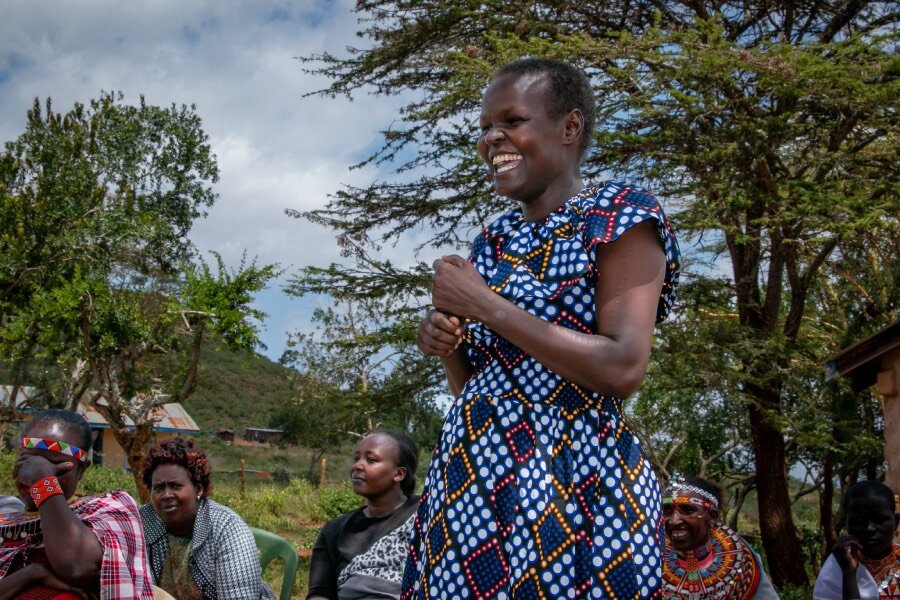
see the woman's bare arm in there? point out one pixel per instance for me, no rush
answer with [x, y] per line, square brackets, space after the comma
[612, 361]
[62, 530]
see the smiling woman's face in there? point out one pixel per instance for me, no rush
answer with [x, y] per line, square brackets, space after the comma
[687, 524]
[174, 497]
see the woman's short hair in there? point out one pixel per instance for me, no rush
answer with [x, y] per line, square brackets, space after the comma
[870, 487]
[67, 418]
[179, 451]
[407, 457]
[569, 88]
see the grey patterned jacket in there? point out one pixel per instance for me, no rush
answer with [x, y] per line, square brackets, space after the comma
[223, 559]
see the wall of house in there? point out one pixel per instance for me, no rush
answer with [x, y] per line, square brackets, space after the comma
[114, 454]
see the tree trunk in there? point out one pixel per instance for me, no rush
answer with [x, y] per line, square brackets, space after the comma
[776, 524]
[138, 445]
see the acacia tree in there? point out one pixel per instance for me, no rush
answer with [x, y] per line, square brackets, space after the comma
[355, 373]
[100, 287]
[769, 128]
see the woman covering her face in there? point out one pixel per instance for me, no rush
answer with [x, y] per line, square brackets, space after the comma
[538, 488]
[66, 547]
[360, 555]
[865, 563]
[705, 559]
[198, 549]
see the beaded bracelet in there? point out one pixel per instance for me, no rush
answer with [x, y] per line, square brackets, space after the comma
[44, 488]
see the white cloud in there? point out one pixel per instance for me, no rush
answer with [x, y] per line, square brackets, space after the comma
[236, 61]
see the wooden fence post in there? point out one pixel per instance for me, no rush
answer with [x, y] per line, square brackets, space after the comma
[242, 477]
[322, 471]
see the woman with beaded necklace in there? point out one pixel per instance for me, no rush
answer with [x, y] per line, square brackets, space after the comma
[705, 559]
[865, 563]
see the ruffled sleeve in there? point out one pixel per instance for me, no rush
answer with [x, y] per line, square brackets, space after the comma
[616, 208]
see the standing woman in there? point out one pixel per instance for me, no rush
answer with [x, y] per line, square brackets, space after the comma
[198, 549]
[538, 489]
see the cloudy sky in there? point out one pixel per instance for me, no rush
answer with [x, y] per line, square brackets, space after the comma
[236, 61]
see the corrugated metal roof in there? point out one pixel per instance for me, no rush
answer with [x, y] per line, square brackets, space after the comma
[171, 418]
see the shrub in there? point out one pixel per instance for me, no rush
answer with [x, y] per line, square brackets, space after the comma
[99, 479]
[305, 498]
[7, 459]
[337, 499]
[259, 507]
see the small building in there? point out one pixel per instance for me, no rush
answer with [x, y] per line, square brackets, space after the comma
[172, 420]
[876, 361]
[258, 434]
[226, 435]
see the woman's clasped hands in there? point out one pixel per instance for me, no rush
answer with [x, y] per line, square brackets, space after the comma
[458, 293]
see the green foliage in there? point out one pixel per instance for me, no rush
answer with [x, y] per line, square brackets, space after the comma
[355, 373]
[791, 592]
[235, 390]
[335, 500]
[100, 288]
[262, 508]
[7, 460]
[99, 479]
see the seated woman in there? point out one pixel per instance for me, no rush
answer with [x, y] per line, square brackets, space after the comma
[198, 548]
[872, 519]
[63, 547]
[361, 554]
[705, 559]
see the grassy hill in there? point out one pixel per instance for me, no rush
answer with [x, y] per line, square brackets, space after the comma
[236, 390]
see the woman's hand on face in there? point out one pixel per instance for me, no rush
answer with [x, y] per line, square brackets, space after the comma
[457, 287]
[440, 334]
[846, 552]
[32, 467]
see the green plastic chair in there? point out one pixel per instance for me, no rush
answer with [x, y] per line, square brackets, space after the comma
[272, 546]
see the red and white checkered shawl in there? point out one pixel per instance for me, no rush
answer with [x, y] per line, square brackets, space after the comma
[114, 519]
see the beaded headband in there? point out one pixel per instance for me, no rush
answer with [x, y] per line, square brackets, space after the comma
[683, 487]
[55, 446]
[688, 500]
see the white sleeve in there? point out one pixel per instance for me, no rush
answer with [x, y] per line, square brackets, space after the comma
[830, 583]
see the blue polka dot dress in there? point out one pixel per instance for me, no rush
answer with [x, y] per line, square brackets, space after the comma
[538, 489]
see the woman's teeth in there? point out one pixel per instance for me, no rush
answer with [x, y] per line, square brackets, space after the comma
[505, 162]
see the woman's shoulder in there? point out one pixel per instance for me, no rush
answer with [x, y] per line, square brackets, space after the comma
[147, 512]
[154, 529]
[107, 503]
[219, 514]
[340, 522]
[614, 197]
